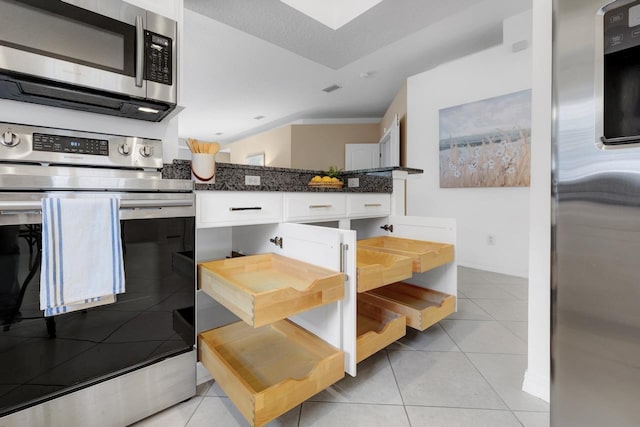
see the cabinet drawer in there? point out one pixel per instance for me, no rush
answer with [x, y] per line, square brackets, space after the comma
[375, 269]
[314, 206]
[425, 255]
[269, 370]
[215, 209]
[261, 289]
[368, 205]
[377, 327]
[423, 307]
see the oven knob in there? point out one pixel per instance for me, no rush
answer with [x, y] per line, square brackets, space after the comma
[10, 139]
[124, 149]
[146, 151]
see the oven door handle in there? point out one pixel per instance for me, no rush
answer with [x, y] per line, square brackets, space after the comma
[15, 208]
[154, 204]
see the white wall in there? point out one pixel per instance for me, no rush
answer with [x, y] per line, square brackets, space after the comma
[502, 212]
[167, 131]
[521, 218]
[536, 379]
[172, 9]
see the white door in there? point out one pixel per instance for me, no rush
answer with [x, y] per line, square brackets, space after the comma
[390, 145]
[361, 156]
[325, 247]
[443, 230]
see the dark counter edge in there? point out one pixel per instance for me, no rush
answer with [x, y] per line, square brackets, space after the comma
[230, 177]
[389, 170]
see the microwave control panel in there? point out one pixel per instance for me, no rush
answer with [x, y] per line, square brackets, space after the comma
[159, 59]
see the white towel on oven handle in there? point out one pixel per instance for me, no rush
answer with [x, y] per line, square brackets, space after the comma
[81, 252]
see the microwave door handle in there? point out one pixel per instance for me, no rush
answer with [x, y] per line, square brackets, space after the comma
[139, 51]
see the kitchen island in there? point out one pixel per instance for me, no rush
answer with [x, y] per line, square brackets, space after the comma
[250, 238]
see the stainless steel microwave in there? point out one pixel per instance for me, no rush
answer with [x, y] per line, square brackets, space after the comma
[102, 56]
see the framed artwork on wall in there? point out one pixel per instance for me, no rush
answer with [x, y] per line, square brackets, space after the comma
[486, 143]
[254, 159]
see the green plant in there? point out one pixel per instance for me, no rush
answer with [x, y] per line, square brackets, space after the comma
[333, 172]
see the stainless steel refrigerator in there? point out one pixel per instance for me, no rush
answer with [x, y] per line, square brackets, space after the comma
[595, 340]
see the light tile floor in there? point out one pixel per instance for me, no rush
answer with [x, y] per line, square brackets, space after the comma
[466, 371]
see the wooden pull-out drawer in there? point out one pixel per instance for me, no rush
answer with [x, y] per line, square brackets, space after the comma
[376, 268]
[368, 205]
[377, 327]
[425, 255]
[314, 206]
[269, 370]
[222, 208]
[261, 289]
[423, 307]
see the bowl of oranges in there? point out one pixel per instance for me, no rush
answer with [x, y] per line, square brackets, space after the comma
[329, 180]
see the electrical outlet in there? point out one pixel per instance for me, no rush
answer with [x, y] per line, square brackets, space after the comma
[353, 182]
[491, 240]
[251, 180]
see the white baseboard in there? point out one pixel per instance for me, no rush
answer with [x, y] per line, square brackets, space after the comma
[202, 374]
[494, 269]
[537, 385]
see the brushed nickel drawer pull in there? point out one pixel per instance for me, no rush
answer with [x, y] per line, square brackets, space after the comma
[320, 206]
[254, 208]
[372, 205]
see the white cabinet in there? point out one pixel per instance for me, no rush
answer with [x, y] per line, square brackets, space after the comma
[325, 247]
[229, 208]
[322, 246]
[221, 230]
[305, 207]
[368, 205]
[443, 230]
[311, 362]
[222, 208]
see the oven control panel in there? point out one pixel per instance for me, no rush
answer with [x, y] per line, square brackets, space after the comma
[69, 144]
[31, 144]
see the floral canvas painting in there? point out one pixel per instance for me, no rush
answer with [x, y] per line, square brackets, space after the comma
[487, 143]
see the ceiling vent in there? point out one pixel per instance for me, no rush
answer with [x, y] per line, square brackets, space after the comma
[331, 88]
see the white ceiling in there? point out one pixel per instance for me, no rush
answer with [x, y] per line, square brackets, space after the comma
[248, 58]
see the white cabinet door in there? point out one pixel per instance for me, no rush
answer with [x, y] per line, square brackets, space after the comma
[443, 230]
[326, 247]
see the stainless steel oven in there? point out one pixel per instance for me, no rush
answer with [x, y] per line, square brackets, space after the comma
[103, 56]
[125, 360]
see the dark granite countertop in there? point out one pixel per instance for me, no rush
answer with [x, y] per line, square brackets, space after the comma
[231, 177]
